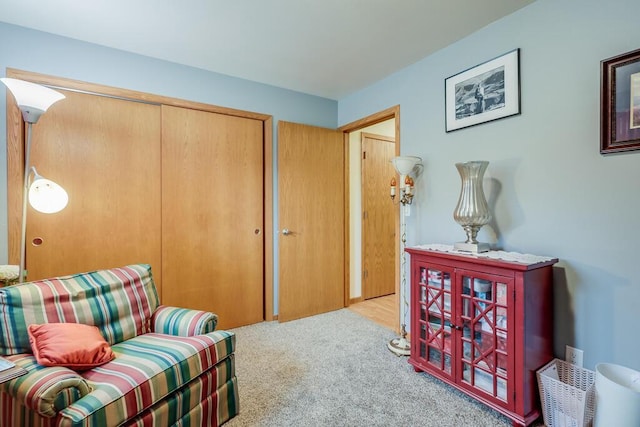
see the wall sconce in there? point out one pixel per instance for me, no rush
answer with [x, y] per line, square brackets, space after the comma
[44, 195]
[405, 166]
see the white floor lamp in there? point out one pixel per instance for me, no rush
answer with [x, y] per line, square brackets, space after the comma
[44, 195]
[406, 166]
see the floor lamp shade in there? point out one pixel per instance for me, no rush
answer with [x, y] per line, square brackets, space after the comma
[32, 99]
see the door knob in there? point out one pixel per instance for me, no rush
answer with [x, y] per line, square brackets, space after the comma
[286, 231]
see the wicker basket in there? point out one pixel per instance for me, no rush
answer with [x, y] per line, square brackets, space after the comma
[567, 394]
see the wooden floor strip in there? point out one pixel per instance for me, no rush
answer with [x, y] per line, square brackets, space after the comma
[380, 310]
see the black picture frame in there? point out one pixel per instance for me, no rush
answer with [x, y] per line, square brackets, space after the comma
[620, 103]
[483, 93]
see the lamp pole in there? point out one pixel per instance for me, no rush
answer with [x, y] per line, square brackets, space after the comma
[33, 100]
[405, 166]
[25, 195]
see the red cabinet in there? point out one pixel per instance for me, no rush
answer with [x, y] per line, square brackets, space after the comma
[484, 325]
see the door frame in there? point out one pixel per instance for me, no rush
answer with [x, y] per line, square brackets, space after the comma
[381, 116]
[16, 149]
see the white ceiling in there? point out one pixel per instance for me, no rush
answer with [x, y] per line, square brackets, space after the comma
[329, 48]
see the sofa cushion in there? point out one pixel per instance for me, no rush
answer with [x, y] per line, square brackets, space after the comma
[73, 345]
[146, 369]
[119, 301]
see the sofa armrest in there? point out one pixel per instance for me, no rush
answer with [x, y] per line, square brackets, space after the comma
[182, 321]
[45, 390]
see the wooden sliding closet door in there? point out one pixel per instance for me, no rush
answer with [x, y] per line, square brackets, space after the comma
[212, 214]
[106, 153]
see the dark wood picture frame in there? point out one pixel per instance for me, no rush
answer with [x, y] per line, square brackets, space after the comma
[620, 103]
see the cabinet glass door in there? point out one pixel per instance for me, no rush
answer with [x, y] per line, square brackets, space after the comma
[485, 334]
[434, 307]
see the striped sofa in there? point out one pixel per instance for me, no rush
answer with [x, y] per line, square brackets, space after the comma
[171, 366]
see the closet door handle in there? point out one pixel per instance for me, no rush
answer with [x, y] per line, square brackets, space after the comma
[286, 231]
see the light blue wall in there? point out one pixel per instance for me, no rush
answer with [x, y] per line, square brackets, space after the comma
[550, 190]
[58, 56]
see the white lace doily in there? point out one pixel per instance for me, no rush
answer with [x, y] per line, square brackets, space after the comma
[501, 255]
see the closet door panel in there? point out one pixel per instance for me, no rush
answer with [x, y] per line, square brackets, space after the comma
[212, 214]
[106, 153]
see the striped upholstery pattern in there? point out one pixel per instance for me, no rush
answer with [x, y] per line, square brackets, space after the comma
[147, 369]
[119, 301]
[44, 390]
[15, 414]
[198, 404]
[171, 367]
[182, 321]
[154, 378]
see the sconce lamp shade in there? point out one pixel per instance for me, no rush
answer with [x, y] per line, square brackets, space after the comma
[46, 196]
[32, 99]
[405, 164]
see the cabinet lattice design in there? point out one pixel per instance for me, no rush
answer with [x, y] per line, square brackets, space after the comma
[483, 325]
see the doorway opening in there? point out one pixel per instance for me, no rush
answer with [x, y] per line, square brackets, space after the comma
[373, 244]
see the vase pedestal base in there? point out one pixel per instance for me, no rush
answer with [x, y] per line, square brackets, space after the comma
[472, 247]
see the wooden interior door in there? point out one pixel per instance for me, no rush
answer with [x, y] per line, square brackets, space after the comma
[311, 188]
[213, 214]
[378, 217]
[105, 152]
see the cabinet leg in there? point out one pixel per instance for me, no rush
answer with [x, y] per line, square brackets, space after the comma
[417, 369]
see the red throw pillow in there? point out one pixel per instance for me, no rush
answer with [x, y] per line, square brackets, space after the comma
[72, 345]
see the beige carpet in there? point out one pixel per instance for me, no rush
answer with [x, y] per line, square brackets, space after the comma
[335, 370]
